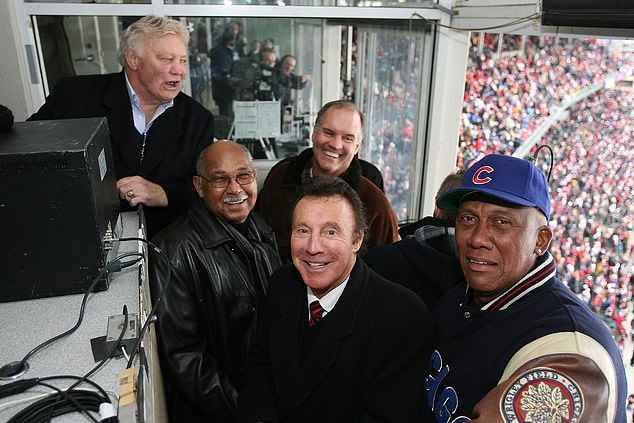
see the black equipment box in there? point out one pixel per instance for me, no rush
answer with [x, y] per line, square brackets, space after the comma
[59, 207]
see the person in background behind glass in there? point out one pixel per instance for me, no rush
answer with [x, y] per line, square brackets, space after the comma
[221, 59]
[287, 80]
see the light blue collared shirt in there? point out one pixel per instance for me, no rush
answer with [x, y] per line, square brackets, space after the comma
[138, 117]
[329, 300]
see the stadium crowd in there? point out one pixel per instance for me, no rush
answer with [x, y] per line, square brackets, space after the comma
[507, 96]
[592, 187]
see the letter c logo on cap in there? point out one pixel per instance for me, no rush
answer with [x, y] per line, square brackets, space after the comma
[477, 179]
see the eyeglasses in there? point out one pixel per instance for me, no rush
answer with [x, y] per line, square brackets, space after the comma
[243, 178]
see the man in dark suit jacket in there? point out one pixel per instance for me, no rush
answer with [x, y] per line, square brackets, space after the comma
[156, 131]
[357, 353]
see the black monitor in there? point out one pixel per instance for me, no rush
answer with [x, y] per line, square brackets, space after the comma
[59, 207]
[588, 13]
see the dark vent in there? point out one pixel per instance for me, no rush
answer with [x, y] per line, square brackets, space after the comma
[30, 166]
[588, 13]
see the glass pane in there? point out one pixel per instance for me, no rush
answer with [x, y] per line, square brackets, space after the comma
[511, 43]
[226, 67]
[79, 45]
[491, 43]
[378, 68]
[390, 61]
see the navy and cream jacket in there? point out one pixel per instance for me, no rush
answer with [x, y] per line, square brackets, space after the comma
[535, 351]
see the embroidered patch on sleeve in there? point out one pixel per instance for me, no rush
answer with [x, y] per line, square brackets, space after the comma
[542, 395]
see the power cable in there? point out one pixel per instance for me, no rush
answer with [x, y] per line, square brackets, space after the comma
[152, 316]
[114, 266]
[72, 399]
[69, 400]
[551, 161]
[531, 17]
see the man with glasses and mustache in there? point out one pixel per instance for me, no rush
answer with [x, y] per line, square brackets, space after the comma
[221, 255]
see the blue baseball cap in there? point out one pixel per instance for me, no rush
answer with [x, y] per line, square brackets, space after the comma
[507, 178]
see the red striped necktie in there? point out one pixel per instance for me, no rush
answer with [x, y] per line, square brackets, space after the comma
[316, 311]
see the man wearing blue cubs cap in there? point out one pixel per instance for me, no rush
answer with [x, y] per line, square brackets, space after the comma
[512, 343]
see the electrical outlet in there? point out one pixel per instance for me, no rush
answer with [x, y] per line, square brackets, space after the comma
[115, 326]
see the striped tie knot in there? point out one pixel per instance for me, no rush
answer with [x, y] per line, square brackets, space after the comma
[316, 311]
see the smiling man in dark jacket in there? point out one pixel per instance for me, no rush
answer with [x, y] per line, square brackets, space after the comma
[221, 255]
[336, 141]
[337, 343]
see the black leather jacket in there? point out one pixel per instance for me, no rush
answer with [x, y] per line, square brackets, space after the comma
[207, 316]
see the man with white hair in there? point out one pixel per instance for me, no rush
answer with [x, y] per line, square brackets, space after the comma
[156, 131]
